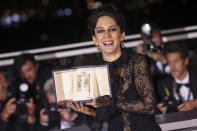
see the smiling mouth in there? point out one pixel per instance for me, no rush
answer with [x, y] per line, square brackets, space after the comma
[108, 43]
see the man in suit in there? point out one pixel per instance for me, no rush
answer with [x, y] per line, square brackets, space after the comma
[30, 71]
[178, 91]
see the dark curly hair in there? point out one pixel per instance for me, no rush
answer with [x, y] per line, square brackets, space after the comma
[106, 10]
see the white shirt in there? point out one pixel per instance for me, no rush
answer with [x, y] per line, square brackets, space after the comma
[184, 91]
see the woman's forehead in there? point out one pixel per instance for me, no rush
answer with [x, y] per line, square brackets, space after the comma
[105, 20]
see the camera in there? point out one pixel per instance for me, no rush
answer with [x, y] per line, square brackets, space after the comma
[147, 34]
[172, 105]
[54, 116]
[23, 94]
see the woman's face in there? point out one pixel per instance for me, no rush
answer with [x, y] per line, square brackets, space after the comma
[108, 36]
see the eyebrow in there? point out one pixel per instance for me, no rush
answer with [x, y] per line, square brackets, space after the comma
[109, 26]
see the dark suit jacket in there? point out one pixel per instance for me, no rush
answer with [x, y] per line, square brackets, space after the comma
[166, 85]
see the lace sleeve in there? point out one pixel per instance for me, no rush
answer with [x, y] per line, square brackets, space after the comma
[104, 101]
[144, 88]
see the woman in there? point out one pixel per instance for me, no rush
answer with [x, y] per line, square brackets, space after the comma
[132, 104]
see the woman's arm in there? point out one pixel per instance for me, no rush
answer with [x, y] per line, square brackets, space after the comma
[143, 84]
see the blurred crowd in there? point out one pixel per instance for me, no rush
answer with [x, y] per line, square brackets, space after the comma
[28, 102]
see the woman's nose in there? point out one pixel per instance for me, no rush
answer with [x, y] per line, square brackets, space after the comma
[107, 33]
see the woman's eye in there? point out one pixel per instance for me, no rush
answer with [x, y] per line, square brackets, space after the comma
[112, 29]
[100, 31]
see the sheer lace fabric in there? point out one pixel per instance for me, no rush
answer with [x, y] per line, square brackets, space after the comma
[130, 71]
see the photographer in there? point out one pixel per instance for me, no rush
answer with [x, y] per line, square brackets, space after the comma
[53, 117]
[9, 120]
[28, 70]
[153, 48]
[178, 90]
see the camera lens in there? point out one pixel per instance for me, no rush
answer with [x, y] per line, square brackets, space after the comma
[148, 47]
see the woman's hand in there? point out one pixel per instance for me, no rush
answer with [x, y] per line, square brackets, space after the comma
[81, 107]
[93, 103]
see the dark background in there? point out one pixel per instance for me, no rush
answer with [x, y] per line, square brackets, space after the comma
[45, 28]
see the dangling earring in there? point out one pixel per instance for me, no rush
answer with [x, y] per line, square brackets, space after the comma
[122, 45]
[99, 49]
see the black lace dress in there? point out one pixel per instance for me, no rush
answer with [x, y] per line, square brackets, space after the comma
[132, 105]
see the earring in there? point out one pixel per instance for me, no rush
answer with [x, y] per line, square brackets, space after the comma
[122, 45]
[99, 49]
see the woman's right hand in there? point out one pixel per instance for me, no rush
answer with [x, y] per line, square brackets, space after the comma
[81, 107]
